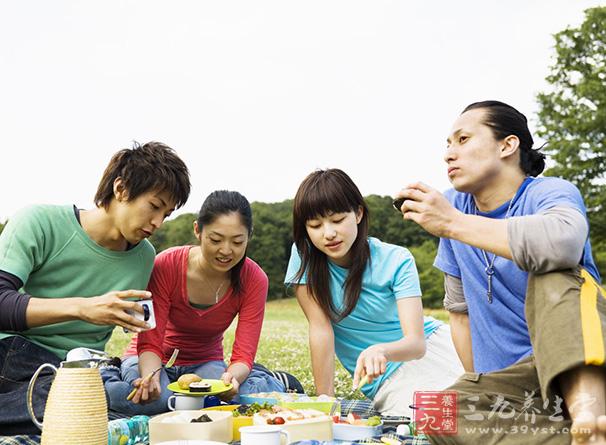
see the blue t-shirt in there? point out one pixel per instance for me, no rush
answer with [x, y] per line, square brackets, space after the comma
[390, 275]
[499, 332]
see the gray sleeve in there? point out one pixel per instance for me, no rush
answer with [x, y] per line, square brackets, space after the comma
[454, 298]
[548, 241]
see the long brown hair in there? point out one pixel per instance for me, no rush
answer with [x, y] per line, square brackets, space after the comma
[322, 193]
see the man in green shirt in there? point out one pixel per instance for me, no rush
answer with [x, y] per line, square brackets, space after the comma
[67, 276]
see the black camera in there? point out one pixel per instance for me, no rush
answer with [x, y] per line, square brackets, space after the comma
[397, 204]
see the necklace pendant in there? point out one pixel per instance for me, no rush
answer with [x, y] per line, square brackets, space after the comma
[489, 289]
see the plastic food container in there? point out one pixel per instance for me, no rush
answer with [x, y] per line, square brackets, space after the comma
[292, 401]
[237, 421]
[345, 431]
[177, 425]
[318, 428]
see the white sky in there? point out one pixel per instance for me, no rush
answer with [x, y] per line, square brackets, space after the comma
[255, 94]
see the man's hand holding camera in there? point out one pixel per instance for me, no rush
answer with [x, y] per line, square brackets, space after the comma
[113, 308]
[428, 208]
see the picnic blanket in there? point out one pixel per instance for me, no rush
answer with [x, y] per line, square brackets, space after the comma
[362, 407]
[35, 440]
[19, 440]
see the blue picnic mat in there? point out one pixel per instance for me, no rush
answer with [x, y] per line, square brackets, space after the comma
[19, 440]
[362, 407]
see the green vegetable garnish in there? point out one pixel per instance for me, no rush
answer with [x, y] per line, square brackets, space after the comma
[250, 410]
[373, 421]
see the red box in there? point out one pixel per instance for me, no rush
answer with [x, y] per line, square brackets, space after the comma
[435, 412]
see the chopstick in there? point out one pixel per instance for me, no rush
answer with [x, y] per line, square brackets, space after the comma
[363, 381]
[333, 408]
[169, 363]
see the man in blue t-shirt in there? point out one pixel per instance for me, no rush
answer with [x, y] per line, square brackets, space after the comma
[522, 288]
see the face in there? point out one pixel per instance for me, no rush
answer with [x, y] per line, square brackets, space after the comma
[473, 154]
[139, 218]
[334, 234]
[223, 242]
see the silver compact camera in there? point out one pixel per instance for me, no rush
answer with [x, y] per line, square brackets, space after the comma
[147, 315]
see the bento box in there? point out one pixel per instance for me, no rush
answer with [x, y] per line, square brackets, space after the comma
[301, 424]
[322, 403]
[353, 427]
[238, 421]
[177, 425]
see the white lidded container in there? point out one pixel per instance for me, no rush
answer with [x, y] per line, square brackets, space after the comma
[177, 426]
[345, 431]
[316, 428]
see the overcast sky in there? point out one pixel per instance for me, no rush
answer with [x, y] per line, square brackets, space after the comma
[255, 94]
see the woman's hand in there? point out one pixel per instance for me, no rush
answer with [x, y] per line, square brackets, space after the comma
[372, 362]
[148, 390]
[110, 309]
[428, 208]
[228, 378]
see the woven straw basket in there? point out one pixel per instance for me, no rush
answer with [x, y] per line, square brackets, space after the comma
[76, 409]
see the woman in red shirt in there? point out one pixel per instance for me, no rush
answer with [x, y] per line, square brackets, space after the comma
[197, 292]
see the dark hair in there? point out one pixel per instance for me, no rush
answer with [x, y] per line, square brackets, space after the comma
[504, 120]
[150, 167]
[321, 193]
[223, 202]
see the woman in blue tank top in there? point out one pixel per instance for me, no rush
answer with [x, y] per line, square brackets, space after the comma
[363, 300]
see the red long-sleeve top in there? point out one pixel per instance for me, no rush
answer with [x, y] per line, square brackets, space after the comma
[198, 333]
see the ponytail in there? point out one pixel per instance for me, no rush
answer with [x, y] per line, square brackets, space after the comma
[504, 120]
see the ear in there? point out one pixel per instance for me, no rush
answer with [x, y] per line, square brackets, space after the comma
[359, 214]
[510, 146]
[120, 192]
[197, 231]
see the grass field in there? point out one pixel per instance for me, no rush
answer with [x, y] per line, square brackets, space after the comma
[283, 345]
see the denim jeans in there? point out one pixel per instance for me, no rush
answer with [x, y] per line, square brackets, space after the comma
[19, 359]
[118, 384]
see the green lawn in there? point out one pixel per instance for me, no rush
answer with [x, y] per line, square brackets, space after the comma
[283, 344]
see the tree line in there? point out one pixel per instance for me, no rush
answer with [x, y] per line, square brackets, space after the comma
[271, 243]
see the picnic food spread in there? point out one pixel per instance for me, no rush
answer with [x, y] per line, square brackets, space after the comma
[305, 418]
[356, 419]
[301, 424]
[279, 415]
[322, 402]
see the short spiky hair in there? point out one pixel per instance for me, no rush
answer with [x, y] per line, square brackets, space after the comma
[150, 167]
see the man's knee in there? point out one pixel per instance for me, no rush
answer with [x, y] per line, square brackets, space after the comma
[552, 286]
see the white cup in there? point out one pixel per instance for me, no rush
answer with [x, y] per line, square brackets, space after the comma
[263, 435]
[178, 402]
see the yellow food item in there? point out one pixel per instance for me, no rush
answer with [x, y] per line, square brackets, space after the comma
[186, 379]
